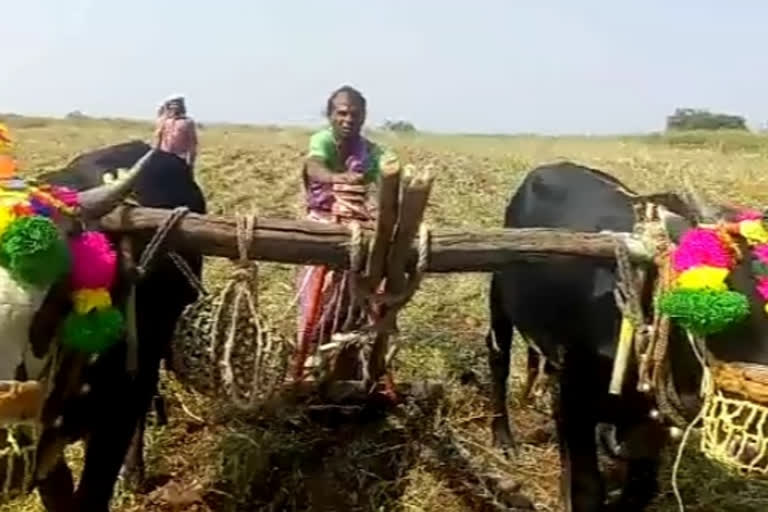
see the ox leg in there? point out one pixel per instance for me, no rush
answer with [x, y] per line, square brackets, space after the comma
[105, 453]
[116, 411]
[499, 341]
[582, 488]
[57, 488]
[161, 410]
[643, 444]
[133, 470]
[533, 366]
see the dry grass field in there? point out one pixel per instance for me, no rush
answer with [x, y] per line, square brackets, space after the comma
[416, 459]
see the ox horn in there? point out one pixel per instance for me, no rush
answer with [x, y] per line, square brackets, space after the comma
[100, 200]
[705, 211]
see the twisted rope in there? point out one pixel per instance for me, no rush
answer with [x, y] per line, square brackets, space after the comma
[241, 289]
[151, 249]
[626, 293]
[139, 271]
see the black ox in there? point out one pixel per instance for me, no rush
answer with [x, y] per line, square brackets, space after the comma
[566, 306]
[100, 400]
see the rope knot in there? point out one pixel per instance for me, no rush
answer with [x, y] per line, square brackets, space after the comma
[244, 273]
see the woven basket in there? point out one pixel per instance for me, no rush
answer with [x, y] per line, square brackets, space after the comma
[222, 348]
[20, 407]
[18, 459]
[735, 434]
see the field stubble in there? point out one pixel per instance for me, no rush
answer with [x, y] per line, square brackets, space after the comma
[417, 459]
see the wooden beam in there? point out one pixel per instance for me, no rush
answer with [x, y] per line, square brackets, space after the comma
[308, 242]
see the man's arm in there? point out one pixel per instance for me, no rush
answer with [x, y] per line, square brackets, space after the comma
[320, 147]
[159, 131]
[192, 156]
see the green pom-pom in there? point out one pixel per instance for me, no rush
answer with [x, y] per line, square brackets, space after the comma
[704, 312]
[94, 332]
[33, 251]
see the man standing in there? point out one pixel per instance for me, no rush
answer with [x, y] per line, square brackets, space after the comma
[176, 132]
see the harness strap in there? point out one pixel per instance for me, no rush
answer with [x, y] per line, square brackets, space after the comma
[139, 271]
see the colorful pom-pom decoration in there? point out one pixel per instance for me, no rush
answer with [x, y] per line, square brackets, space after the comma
[7, 166]
[705, 312]
[753, 231]
[6, 217]
[94, 262]
[93, 332]
[700, 299]
[6, 144]
[701, 246]
[94, 325]
[749, 214]
[703, 276]
[86, 300]
[32, 250]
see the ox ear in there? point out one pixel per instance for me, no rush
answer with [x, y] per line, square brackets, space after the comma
[675, 225]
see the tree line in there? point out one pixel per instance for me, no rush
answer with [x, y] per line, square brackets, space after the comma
[686, 119]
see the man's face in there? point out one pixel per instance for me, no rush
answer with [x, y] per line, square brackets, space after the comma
[347, 116]
[174, 107]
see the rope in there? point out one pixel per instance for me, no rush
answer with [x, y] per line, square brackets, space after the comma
[150, 251]
[140, 270]
[183, 266]
[626, 294]
[679, 459]
[705, 389]
[243, 288]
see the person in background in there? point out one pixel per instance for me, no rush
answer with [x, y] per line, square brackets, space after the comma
[176, 132]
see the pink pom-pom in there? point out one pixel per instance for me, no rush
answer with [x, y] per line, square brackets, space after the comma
[701, 247]
[749, 215]
[94, 263]
[762, 287]
[66, 195]
[761, 253]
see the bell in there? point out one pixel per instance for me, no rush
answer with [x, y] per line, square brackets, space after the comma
[675, 433]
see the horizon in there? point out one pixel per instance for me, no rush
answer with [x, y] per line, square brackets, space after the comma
[8, 118]
[492, 68]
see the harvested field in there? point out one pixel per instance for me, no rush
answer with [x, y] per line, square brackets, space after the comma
[417, 458]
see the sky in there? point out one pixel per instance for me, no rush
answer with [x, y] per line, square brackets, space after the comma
[480, 66]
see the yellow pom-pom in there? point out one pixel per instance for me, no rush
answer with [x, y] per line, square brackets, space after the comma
[6, 217]
[698, 278]
[6, 144]
[753, 231]
[87, 299]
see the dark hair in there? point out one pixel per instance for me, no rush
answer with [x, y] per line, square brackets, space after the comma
[353, 93]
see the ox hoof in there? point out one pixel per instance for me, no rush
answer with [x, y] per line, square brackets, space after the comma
[502, 437]
[133, 479]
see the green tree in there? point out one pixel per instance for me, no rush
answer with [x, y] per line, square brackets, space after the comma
[699, 119]
[398, 126]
